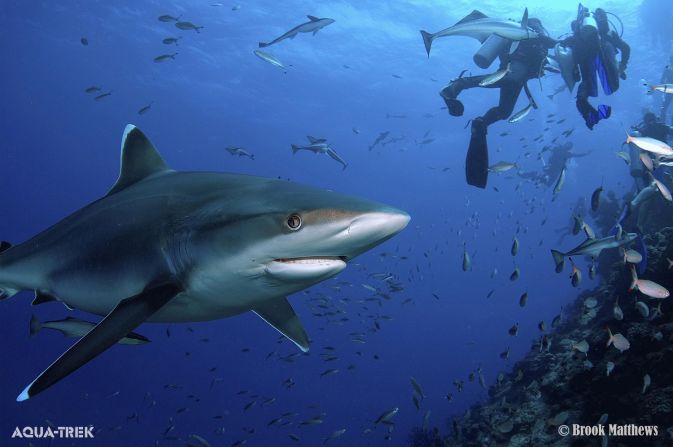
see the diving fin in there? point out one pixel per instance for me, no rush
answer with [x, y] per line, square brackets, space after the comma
[125, 317]
[476, 163]
[280, 315]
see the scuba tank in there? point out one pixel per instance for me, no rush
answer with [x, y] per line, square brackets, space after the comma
[489, 50]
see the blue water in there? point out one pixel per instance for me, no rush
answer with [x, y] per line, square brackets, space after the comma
[60, 151]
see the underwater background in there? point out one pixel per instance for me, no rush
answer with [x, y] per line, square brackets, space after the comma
[365, 74]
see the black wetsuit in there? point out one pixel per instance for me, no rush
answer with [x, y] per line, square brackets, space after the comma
[524, 64]
[666, 78]
[596, 58]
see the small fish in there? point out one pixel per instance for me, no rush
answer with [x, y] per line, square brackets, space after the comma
[632, 257]
[515, 274]
[650, 145]
[515, 247]
[167, 18]
[171, 40]
[467, 263]
[582, 346]
[74, 327]
[561, 180]
[578, 224]
[334, 435]
[596, 198]
[102, 96]
[165, 57]
[592, 269]
[92, 89]
[663, 88]
[617, 312]
[188, 26]
[514, 330]
[624, 156]
[144, 110]
[521, 114]
[502, 166]
[618, 341]
[642, 309]
[84, 41]
[270, 58]
[661, 187]
[647, 161]
[609, 368]
[505, 354]
[647, 287]
[417, 387]
[576, 275]
[495, 77]
[328, 372]
[647, 381]
[386, 416]
[356, 131]
[197, 441]
[541, 326]
[523, 300]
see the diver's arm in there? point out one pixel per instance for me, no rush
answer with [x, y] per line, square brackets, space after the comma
[548, 42]
[625, 49]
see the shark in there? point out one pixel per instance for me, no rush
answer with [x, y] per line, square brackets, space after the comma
[319, 146]
[592, 247]
[479, 26]
[314, 25]
[165, 246]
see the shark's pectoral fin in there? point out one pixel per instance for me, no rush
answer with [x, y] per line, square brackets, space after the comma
[128, 314]
[514, 46]
[280, 314]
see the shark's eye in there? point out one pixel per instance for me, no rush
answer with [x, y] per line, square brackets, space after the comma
[293, 222]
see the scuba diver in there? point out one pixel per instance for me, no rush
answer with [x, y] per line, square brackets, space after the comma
[666, 78]
[521, 65]
[594, 46]
[561, 154]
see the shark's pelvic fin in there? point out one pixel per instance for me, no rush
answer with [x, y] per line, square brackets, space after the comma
[280, 314]
[139, 159]
[128, 314]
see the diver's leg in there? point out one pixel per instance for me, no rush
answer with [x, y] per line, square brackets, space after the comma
[589, 87]
[450, 93]
[476, 162]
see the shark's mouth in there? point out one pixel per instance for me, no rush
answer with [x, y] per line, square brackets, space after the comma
[312, 260]
[309, 268]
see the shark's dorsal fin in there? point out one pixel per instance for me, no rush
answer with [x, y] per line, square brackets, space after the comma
[278, 313]
[524, 19]
[313, 18]
[139, 159]
[474, 15]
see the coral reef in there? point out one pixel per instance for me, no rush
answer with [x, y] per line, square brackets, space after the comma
[560, 386]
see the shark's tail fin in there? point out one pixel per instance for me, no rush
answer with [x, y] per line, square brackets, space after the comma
[427, 40]
[35, 325]
[559, 260]
[295, 148]
[263, 44]
[6, 290]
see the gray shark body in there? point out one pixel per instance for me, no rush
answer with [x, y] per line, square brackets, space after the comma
[477, 25]
[167, 246]
[592, 247]
[314, 25]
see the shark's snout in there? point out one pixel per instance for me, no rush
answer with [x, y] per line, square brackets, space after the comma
[371, 229]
